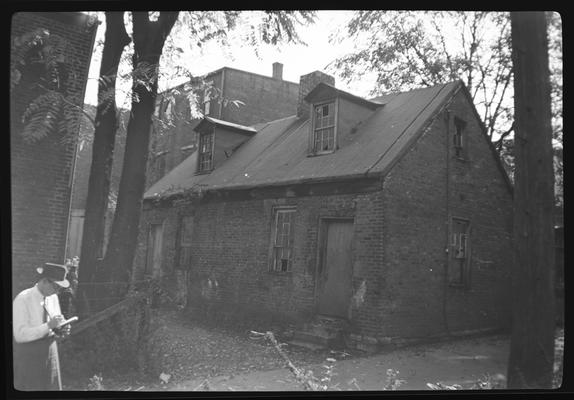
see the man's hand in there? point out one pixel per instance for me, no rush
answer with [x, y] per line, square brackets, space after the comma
[63, 332]
[55, 321]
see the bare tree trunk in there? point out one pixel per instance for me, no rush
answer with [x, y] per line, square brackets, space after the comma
[532, 345]
[106, 126]
[149, 38]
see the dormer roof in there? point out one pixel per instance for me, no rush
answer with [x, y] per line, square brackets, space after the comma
[210, 122]
[323, 91]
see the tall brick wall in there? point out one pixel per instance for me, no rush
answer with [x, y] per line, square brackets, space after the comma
[265, 98]
[41, 172]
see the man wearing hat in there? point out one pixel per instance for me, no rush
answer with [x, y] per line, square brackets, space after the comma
[36, 320]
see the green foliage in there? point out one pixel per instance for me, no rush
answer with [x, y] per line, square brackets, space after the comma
[406, 50]
[393, 381]
[44, 63]
[487, 382]
[402, 50]
[96, 383]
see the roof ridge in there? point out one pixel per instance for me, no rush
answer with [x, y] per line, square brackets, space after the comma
[395, 93]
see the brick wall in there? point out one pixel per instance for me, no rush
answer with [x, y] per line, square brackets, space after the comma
[265, 98]
[40, 173]
[231, 244]
[415, 224]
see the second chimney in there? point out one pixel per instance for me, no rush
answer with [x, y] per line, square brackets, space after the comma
[308, 83]
[277, 70]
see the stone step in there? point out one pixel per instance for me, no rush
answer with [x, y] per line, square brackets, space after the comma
[307, 345]
[333, 339]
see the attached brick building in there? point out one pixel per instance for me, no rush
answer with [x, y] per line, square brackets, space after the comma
[391, 217]
[41, 173]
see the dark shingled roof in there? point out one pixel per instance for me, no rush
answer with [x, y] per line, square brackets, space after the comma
[277, 154]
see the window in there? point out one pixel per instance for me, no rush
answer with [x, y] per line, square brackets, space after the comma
[459, 137]
[460, 252]
[185, 232]
[283, 240]
[160, 162]
[206, 151]
[324, 128]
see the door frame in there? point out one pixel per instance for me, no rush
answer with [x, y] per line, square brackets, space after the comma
[321, 247]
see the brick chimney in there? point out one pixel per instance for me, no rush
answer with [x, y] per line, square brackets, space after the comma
[277, 70]
[308, 83]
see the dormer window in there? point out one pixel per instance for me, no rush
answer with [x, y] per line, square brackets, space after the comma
[205, 159]
[324, 128]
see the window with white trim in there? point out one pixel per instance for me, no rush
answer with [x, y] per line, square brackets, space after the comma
[205, 157]
[283, 232]
[460, 252]
[324, 128]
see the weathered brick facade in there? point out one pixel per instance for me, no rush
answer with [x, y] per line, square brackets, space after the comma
[41, 172]
[400, 237]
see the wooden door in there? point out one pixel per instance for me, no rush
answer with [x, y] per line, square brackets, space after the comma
[336, 272]
[154, 250]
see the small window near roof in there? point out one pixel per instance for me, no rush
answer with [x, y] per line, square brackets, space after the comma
[205, 152]
[459, 138]
[324, 128]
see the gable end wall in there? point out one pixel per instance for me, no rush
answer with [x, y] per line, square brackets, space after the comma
[416, 303]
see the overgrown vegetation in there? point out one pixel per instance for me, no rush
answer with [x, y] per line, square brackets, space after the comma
[116, 345]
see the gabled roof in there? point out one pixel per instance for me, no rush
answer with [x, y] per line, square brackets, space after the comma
[277, 154]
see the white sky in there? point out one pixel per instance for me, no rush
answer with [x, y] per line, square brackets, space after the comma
[297, 60]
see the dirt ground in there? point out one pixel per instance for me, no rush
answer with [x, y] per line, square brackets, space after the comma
[190, 356]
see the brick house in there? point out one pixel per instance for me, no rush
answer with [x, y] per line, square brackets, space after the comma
[385, 218]
[41, 173]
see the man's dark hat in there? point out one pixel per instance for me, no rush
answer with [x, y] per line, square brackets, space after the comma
[54, 272]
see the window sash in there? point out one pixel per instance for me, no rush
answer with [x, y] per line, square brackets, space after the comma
[283, 241]
[205, 151]
[324, 127]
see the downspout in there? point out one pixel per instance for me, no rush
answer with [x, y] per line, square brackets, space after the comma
[447, 222]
